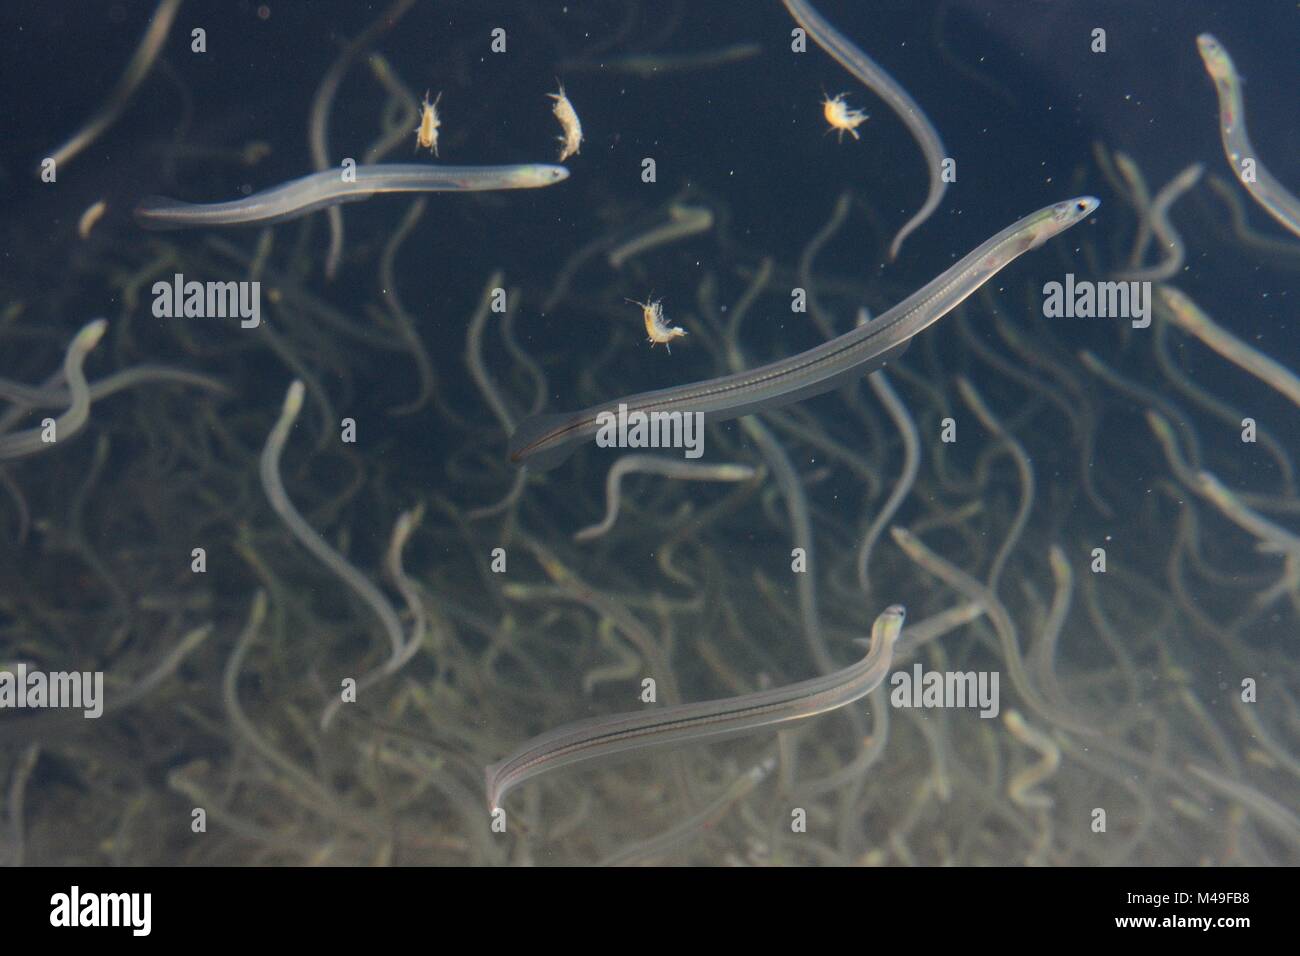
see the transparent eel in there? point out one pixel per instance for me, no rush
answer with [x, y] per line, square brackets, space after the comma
[328, 188]
[142, 61]
[1266, 190]
[544, 441]
[656, 465]
[1171, 241]
[603, 736]
[887, 88]
[34, 440]
[1190, 318]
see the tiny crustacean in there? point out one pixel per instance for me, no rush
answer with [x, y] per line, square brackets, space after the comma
[569, 122]
[657, 329]
[842, 118]
[426, 134]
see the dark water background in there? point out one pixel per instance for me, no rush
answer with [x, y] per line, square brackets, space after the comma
[1013, 88]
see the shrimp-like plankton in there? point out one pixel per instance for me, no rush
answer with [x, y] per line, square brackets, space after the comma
[657, 329]
[841, 117]
[426, 134]
[569, 122]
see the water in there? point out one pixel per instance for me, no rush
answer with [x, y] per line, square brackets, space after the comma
[1149, 660]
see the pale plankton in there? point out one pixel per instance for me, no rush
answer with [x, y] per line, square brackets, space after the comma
[569, 122]
[657, 329]
[426, 134]
[841, 117]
